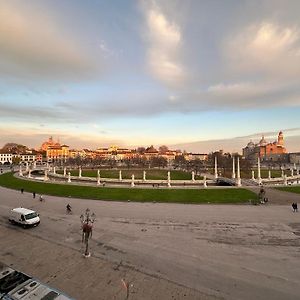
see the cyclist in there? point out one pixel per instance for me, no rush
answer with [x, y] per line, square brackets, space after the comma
[69, 208]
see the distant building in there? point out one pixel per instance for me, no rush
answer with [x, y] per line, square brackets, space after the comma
[274, 151]
[195, 156]
[151, 152]
[48, 143]
[9, 158]
[55, 151]
[6, 158]
[115, 153]
[294, 158]
[27, 157]
[39, 157]
[169, 155]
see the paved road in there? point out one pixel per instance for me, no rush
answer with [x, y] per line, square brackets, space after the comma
[168, 251]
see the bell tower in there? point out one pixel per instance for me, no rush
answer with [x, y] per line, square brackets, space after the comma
[280, 139]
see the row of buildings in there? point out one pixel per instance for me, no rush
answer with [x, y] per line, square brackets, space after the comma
[9, 158]
[57, 152]
[53, 151]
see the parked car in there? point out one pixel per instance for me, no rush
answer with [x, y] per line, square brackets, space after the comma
[24, 217]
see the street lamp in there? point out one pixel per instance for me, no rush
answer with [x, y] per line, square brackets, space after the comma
[87, 219]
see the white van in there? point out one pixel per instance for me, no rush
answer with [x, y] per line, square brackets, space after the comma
[25, 217]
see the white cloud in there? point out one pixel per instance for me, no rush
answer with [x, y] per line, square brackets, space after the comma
[32, 44]
[252, 95]
[164, 47]
[267, 49]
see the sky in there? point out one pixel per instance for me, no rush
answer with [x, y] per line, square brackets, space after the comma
[136, 73]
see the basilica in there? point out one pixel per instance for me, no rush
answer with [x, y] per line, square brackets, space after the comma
[273, 151]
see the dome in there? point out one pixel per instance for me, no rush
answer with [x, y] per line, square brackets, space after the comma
[250, 144]
[262, 142]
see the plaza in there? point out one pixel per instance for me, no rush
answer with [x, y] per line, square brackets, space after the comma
[164, 251]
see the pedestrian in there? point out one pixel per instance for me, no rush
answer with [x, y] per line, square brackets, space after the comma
[22, 190]
[261, 195]
[295, 207]
[41, 198]
[33, 195]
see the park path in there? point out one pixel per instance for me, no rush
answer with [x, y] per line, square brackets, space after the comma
[276, 196]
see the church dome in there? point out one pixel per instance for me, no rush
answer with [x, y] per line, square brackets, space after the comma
[250, 144]
[262, 142]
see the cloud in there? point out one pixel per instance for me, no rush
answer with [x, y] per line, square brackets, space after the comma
[20, 112]
[245, 95]
[260, 67]
[235, 144]
[33, 45]
[287, 132]
[108, 52]
[163, 54]
[266, 48]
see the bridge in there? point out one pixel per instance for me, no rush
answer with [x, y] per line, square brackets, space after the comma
[223, 181]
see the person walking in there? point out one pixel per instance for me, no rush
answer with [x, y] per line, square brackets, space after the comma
[33, 195]
[22, 190]
[295, 207]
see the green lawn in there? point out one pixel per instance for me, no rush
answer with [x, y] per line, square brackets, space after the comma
[274, 173]
[292, 189]
[230, 195]
[138, 174]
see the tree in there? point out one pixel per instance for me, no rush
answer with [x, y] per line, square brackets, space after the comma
[197, 165]
[14, 148]
[180, 162]
[140, 150]
[16, 160]
[163, 149]
[159, 161]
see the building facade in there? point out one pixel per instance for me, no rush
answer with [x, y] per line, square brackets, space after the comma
[274, 151]
[294, 158]
[57, 153]
[6, 158]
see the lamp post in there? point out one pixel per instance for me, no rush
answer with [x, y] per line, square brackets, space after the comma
[87, 219]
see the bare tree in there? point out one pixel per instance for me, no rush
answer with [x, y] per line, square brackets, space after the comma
[163, 149]
[140, 150]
